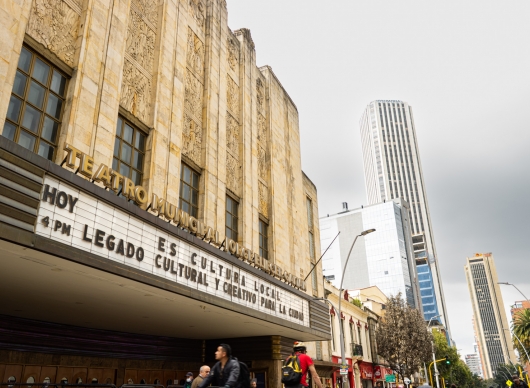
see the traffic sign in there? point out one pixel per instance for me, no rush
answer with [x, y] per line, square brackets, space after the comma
[390, 378]
[343, 371]
[406, 380]
[509, 383]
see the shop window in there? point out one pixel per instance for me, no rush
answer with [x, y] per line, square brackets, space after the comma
[64, 380]
[30, 380]
[232, 210]
[263, 239]
[36, 105]
[189, 191]
[46, 380]
[129, 151]
[94, 381]
[79, 380]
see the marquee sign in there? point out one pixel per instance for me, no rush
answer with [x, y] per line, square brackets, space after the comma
[114, 181]
[72, 217]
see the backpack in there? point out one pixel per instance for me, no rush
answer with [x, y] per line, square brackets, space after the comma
[291, 371]
[243, 381]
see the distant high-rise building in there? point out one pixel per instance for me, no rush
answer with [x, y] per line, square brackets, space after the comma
[392, 169]
[473, 363]
[384, 258]
[491, 324]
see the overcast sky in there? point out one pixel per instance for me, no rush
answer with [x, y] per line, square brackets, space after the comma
[464, 67]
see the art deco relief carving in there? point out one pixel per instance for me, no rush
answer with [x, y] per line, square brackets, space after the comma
[232, 96]
[136, 91]
[232, 136]
[260, 94]
[55, 24]
[193, 96]
[192, 139]
[262, 163]
[193, 99]
[263, 199]
[195, 54]
[140, 43]
[233, 53]
[262, 129]
[233, 174]
[147, 9]
[196, 8]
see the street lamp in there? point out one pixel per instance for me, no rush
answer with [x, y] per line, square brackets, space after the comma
[434, 354]
[527, 357]
[342, 350]
[510, 284]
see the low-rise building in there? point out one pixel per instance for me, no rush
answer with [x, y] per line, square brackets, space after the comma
[358, 324]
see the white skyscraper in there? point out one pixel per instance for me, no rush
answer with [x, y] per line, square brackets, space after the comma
[392, 169]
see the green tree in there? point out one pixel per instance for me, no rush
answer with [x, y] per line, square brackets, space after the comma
[521, 328]
[402, 338]
[455, 371]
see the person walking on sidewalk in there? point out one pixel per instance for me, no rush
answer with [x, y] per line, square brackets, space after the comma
[225, 372]
[518, 383]
[306, 364]
[203, 372]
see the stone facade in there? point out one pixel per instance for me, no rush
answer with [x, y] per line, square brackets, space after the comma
[175, 70]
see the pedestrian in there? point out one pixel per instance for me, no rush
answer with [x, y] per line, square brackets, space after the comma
[203, 372]
[306, 364]
[254, 383]
[518, 383]
[225, 372]
[189, 379]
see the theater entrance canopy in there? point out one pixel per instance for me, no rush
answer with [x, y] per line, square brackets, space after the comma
[72, 252]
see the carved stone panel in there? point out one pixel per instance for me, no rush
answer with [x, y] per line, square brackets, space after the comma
[140, 43]
[262, 163]
[232, 136]
[147, 9]
[193, 96]
[197, 9]
[192, 139]
[233, 174]
[233, 53]
[55, 24]
[232, 96]
[136, 91]
[260, 91]
[262, 129]
[263, 199]
[195, 54]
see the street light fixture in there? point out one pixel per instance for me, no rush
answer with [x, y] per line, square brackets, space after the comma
[510, 284]
[433, 354]
[515, 335]
[342, 350]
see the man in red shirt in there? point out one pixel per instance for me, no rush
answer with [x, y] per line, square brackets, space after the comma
[306, 364]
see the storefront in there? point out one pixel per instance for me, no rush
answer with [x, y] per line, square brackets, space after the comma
[380, 373]
[95, 288]
[367, 374]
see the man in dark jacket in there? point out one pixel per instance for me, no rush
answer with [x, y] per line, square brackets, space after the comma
[225, 372]
[518, 383]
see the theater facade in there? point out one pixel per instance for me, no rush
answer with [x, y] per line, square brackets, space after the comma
[152, 202]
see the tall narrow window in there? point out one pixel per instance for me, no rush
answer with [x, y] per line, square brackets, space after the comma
[232, 208]
[263, 239]
[129, 151]
[189, 191]
[35, 109]
[332, 332]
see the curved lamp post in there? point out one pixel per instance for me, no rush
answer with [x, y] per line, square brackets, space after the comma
[510, 284]
[342, 350]
[433, 354]
[515, 335]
